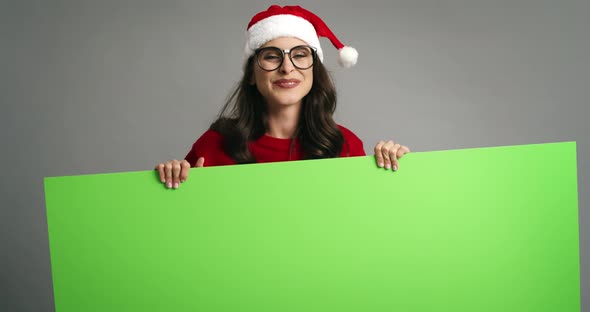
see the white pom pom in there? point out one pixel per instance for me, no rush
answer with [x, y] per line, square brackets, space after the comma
[347, 57]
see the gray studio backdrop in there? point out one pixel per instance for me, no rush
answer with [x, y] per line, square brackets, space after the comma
[110, 86]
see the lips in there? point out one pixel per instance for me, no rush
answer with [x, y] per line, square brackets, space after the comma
[287, 83]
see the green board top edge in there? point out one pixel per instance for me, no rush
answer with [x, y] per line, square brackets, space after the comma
[329, 159]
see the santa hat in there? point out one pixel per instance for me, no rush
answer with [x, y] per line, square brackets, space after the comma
[294, 21]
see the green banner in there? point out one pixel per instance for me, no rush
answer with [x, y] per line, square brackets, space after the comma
[486, 229]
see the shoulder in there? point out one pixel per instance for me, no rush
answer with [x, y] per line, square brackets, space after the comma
[209, 142]
[346, 132]
[210, 136]
[210, 146]
[353, 144]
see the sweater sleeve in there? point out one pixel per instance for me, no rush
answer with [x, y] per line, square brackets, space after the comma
[353, 146]
[209, 146]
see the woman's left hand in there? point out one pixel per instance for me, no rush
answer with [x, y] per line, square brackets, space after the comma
[388, 153]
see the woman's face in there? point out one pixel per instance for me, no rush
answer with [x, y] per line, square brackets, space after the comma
[287, 85]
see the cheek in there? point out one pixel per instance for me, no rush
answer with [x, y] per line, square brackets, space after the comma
[261, 85]
[259, 79]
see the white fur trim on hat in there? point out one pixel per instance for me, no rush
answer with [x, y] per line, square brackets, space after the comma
[283, 25]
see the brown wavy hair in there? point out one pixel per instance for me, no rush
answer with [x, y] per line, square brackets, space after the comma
[242, 118]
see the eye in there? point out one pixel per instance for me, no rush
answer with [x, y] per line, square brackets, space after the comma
[271, 56]
[300, 52]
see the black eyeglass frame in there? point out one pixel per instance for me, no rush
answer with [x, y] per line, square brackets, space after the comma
[283, 52]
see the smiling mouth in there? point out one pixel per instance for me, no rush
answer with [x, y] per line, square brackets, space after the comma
[284, 83]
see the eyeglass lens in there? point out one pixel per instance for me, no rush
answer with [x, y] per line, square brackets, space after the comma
[271, 58]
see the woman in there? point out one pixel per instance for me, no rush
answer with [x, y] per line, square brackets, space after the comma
[283, 107]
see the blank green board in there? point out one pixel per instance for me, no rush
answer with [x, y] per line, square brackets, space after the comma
[486, 229]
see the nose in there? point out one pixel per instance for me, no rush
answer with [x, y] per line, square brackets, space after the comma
[287, 65]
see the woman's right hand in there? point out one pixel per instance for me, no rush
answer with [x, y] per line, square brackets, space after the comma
[174, 172]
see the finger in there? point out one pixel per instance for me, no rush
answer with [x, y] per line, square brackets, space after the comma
[184, 169]
[160, 168]
[386, 156]
[378, 156]
[168, 174]
[175, 174]
[402, 151]
[200, 162]
[393, 156]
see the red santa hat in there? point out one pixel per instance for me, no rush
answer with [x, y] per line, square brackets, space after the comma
[294, 21]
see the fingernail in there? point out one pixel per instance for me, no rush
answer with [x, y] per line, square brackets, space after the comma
[394, 167]
[169, 185]
[175, 185]
[387, 166]
[381, 165]
[163, 181]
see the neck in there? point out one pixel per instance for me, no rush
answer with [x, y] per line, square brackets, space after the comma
[282, 122]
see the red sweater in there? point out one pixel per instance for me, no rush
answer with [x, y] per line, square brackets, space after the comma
[265, 149]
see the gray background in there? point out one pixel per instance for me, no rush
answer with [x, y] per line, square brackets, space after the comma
[108, 86]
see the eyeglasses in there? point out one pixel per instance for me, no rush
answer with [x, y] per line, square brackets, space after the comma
[271, 58]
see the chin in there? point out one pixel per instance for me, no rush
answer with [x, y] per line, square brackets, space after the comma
[297, 101]
[289, 101]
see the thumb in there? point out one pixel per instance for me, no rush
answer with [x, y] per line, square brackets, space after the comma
[200, 162]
